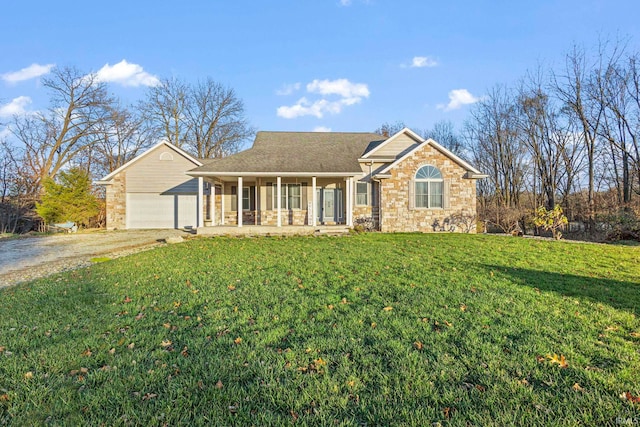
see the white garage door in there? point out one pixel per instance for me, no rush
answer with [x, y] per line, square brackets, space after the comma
[152, 210]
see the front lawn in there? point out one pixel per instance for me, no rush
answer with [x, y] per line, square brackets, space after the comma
[374, 329]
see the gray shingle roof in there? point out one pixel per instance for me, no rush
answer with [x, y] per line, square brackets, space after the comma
[291, 152]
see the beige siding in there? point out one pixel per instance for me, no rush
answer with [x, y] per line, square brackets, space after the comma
[398, 147]
[152, 175]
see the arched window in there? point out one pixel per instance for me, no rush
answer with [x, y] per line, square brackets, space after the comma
[429, 187]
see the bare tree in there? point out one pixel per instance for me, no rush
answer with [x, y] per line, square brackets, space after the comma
[207, 119]
[216, 123]
[387, 129]
[494, 139]
[165, 108]
[493, 136]
[122, 137]
[572, 88]
[444, 133]
[52, 139]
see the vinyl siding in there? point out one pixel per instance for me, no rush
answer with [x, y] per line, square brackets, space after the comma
[398, 147]
[152, 175]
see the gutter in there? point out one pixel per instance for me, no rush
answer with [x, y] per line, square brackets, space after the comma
[275, 174]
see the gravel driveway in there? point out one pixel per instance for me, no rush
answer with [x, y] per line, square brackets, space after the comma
[29, 258]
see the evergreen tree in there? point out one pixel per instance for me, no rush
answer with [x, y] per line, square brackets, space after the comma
[68, 199]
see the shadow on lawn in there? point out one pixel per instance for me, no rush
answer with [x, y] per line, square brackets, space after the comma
[615, 293]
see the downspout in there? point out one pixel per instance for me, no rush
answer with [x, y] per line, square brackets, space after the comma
[379, 181]
[371, 179]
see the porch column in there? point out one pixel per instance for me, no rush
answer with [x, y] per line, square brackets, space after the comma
[212, 203]
[239, 200]
[222, 204]
[200, 203]
[314, 202]
[350, 201]
[279, 200]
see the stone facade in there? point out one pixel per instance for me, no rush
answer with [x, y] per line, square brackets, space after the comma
[398, 216]
[270, 217]
[116, 202]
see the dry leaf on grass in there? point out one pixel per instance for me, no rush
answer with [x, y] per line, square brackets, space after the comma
[630, 397]
[560, 360]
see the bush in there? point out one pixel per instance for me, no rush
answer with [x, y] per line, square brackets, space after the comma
[551, 220]
[69, 199]
[624, 225]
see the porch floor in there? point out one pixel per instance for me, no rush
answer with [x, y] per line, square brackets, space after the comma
[271, 230]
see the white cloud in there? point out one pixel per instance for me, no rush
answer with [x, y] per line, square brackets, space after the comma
[423, 61]
[458, 98]
[288, 89]
[321, 129]
[126, 74]
[345, 2]
[30, 72]
[349, 93]
[342, 87]
[17, 106]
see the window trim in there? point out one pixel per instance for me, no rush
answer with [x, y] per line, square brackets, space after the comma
[366, 193]
[429, 183]
[286, 196]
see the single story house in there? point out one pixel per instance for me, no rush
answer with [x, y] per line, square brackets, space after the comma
[398, 183]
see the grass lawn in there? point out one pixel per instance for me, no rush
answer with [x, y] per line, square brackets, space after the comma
[372, 329]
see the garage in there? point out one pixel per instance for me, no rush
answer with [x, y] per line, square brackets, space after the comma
[153, 210]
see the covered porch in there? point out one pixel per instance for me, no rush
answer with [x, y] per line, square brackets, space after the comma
[272, 230]
[277, 201]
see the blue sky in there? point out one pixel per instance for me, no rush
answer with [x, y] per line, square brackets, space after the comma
[307, 64]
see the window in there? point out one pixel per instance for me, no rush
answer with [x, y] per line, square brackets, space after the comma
[362, 194]
[429, 187]
[245, 198]
[291, 197]
[248, 198]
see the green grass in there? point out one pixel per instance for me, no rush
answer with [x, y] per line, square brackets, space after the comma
[372, 329]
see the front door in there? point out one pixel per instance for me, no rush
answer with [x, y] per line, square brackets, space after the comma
[328, 205]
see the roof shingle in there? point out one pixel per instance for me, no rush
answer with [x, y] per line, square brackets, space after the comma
[291, 152]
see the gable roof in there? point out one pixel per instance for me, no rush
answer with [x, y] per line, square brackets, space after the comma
[183, 153]
[474, 172]
[406, 131]
[296, 153]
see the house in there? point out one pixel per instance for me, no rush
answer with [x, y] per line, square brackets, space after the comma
[398, 183]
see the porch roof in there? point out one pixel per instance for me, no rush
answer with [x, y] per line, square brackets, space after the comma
[290, 153]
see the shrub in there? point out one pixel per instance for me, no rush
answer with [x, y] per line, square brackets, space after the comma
[551, 220]
[68, 199]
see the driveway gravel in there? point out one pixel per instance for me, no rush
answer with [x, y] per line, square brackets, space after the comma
[29, 258]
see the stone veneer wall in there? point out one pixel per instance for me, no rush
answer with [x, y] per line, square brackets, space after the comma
[289, 217]
[396, 215]
[116, 202]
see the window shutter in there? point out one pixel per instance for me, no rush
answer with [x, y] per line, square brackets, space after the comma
[304, 189]
[269, 196]
[234, 198]
[445, 194]
[412, 197]
[252, 198]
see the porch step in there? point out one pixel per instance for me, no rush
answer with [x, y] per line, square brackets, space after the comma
[333, 231]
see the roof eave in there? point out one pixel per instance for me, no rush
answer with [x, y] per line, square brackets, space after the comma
[274, 174]
[377, 160]
[137, 158]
